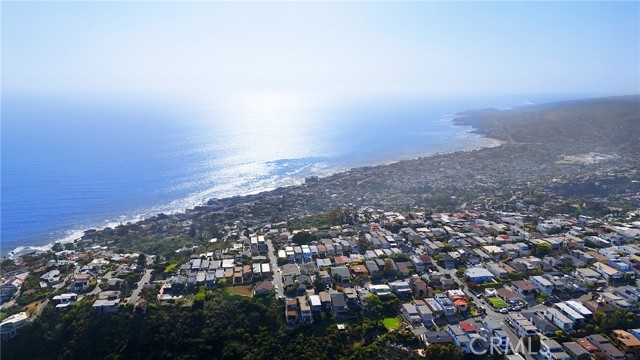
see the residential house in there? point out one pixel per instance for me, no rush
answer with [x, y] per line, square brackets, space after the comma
[558, 319]
[106, 306]
[570, 313]
[291, 312]
[380, 290]
[51, 277]
[606, 347]
[524, 288]
[352, 298]
[373, 269]
[552, 350]
[629, 344]
[360, 271]
[588, 276]
[404, 268]
[316, 303]
[400, 288]
[418, 263]
[418, 286]
[579, 308]
[543, 325]
[424, 311]
[497, 271]
[10, 326]
[341, 276]
[81, 283]
[263, 288]
[629, 293]
[521, 326]
[576, 351]
[459, 338]
[589, 347]
[339, 305]
[508, 296]
[491, 329]
[615, 301]
[479, 275]
[435, 337]
[446, 303]
[607, 272]
[64, 301]
[543, 284]
[410, 314]
[436, 309]
[325, 300]
[305, 311]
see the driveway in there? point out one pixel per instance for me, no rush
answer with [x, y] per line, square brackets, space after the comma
[277, 279]
[136, 292]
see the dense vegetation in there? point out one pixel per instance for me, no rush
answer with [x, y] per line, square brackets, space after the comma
[218, 326]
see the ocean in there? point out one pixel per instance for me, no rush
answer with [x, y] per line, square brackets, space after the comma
[69, 164]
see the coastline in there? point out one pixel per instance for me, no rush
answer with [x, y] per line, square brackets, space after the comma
[469, 132]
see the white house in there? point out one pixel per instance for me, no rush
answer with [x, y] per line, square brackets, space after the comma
[12, 324]
[607, 272]
[558, 319]
[542, 284]
[410, 314]
[552, 350]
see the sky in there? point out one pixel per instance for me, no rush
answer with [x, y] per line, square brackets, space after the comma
[201, 49]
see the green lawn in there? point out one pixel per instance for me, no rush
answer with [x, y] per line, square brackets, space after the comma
[3, 316]
[497, 303]
[391, 323]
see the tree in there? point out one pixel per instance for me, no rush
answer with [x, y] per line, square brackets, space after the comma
[443, 352]
[399, 257]
[142, 260]
[318, 283]
[302, 238]
[57, 247]
[374, 305]
[388, 267]
[363, 243]
[543, 248]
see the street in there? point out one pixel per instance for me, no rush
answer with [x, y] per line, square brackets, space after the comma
[136, 292]
[277, 279]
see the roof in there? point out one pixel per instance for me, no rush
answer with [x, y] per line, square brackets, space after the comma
[626, 338]
[506, 293]
[524, 285]
[587, 345]
[468, 327]
[478, 272]
[338, 300]
[359, 269]
[437, 337]
[342, 271]
[264, 286]
[410, 308]
[324, 296]
[574, 348]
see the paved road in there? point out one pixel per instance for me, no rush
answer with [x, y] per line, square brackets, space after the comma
[135, 295]
[277, 279]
